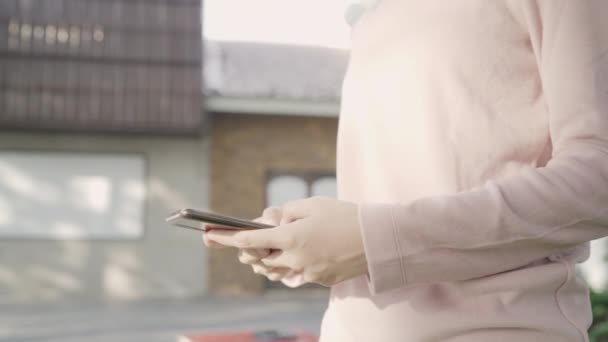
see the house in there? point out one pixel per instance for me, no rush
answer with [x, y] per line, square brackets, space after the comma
[104, 131]
[273, 117]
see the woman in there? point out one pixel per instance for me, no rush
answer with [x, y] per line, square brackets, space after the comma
[472, 172]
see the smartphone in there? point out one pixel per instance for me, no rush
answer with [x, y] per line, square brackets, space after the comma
[194, 219]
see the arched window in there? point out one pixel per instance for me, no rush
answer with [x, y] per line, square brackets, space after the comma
[285, 187]
[281, 189]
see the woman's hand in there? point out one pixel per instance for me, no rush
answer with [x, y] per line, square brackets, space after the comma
[318, 239]
[271, 216]
[253, 256]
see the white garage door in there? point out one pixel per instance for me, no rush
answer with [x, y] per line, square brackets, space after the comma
[60, 195]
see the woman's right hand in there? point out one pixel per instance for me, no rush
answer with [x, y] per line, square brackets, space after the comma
[253, 256]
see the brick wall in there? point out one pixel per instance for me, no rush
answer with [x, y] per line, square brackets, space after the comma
[244, 148]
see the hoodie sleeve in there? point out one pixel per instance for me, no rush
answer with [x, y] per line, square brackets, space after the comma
[508, 223]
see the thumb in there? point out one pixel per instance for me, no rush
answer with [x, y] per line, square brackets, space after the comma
[271, 216]
[295, 210]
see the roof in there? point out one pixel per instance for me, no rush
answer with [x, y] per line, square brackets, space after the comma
[273, 71]
[101, 66]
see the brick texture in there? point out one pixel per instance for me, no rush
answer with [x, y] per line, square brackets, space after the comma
[244, 149]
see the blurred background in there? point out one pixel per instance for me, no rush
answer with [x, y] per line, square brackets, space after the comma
[114, 113]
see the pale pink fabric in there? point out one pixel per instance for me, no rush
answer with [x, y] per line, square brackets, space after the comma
[474, 136]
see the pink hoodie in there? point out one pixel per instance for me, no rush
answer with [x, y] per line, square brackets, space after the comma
[474, 136]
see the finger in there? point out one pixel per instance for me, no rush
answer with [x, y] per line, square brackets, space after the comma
[272, 215]
[212, 226]
[210, 243]
[270, 238]
[250, 256]
[261, 269]
[280, 259]
[293, 280]
[295, 210]
[273, 274]
[276, 274]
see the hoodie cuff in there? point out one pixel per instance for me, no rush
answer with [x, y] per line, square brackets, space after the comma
[382, 249]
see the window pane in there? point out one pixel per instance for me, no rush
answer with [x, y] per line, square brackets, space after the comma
[325, 186]
[282, 189]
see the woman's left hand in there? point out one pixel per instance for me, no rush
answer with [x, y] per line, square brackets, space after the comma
[319, 239]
